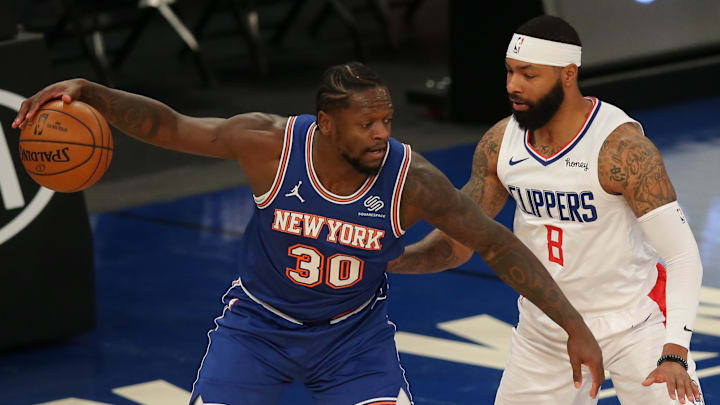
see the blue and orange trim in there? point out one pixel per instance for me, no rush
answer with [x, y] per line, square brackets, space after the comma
[397, 192]
[267, 199]
[357, 195]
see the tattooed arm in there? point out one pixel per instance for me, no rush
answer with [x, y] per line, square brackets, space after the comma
[629, 164]
[254, 139]
[437, 251]
[429, 195]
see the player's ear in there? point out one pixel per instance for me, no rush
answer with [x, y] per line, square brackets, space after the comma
[326, 124]
[569, 74]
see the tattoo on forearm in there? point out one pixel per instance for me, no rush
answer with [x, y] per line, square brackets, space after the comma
[132, 114]
[432, 255]
[519, 268]
[442, 251]
[434, 199]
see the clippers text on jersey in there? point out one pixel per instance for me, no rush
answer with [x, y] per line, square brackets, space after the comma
[563, 205]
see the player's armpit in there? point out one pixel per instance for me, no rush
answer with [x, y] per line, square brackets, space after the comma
[630, 164]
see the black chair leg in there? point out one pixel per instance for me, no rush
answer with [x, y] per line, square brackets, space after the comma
[187, 36]
[347, 18]
[284, 27]
[200, 25]
[57, 30]
[98, 62]
[320, 18]
[381, 9]
[411, 11]
[205, 18]
[132, 38]
[248, 20]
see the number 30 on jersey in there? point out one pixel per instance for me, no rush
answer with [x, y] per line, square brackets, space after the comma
[311, 268]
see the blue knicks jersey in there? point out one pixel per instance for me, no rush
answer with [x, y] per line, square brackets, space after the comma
[309, 255]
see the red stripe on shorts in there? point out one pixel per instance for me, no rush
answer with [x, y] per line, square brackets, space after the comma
[658, 292]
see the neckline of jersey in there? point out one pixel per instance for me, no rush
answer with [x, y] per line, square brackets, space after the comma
[546, 160]
[317, 185]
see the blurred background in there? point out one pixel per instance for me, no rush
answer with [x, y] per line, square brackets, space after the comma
[89, 315]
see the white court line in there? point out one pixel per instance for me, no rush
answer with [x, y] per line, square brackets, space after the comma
[158, 392]
[73, 401]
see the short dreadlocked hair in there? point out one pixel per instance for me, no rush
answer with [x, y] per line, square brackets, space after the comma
[340, 81]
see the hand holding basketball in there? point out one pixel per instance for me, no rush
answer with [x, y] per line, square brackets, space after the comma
[67, 91]
[65, 147]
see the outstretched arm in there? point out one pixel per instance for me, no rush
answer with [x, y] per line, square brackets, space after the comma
[630, 165]
[429, 195]
[254, 139]
[438, 251]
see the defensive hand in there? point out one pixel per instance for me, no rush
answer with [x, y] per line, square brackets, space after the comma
[677, 379]
[584, 349]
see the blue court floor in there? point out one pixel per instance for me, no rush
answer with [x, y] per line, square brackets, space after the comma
[161, 270]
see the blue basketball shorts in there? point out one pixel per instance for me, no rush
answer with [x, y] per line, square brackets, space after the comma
[253, 355]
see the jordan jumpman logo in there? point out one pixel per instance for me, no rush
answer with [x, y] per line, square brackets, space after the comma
[294, 192]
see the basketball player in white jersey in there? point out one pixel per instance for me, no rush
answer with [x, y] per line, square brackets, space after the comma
[596, 206]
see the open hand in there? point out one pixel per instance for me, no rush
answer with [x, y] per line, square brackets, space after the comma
[677, 379]
[68, 91]
[584, 349]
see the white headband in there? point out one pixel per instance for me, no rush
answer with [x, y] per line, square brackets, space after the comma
[542, 51]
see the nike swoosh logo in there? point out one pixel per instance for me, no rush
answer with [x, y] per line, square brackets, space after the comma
[514, 162]
[686, 329]
[648, 317]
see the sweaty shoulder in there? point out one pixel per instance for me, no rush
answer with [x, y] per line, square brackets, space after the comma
[631, 165]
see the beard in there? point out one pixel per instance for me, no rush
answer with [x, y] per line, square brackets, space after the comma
[362, 168]
[539, 113]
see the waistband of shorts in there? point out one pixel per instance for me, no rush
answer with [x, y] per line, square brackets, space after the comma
[335, 319]
[532, 321]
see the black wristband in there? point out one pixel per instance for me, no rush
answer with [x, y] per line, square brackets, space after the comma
[673, 357]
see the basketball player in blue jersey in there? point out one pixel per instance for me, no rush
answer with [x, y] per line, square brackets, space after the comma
[596, 206]
[334, 195]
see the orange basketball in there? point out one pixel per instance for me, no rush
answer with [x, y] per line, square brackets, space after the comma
[66, 147]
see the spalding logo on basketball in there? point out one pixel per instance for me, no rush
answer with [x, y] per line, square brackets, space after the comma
[66, 147]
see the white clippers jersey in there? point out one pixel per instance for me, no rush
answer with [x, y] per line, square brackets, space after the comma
[589, 240]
